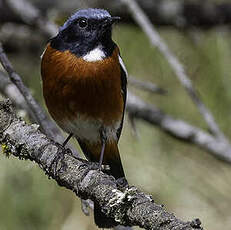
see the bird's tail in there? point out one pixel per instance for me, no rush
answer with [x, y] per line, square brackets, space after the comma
[111, 158]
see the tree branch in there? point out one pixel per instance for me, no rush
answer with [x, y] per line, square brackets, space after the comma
[128, 207]
[22, 11]
[179, 129]
[179, 14]
[9, 90]
[155, 39]
[147, 86]
[38, 112]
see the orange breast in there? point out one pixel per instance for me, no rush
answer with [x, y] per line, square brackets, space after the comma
[72, 86]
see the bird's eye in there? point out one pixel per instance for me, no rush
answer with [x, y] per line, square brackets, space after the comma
[83, 23]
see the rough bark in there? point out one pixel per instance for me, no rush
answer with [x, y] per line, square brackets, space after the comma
[129, 206]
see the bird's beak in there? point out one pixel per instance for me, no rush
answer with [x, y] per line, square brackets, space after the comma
[115, 19]
[110, 21]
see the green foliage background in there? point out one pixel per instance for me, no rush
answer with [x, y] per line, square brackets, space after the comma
[187, 180]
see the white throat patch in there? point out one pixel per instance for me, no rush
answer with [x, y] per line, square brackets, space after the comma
[96, 54]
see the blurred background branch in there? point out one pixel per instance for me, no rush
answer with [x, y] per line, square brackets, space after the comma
[23, 12]
[175, 64]
[180, 14]
[41, 118]
[147, 86]
[179, 129]
[36, 112]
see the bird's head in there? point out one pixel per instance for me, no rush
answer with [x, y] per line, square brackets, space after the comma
[86, 29]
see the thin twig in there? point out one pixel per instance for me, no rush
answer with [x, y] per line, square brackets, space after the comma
[147, 86]
[31, 16]
[48, 127]
[179, 14]
[9, 90]
[155, 39]
[132, 119]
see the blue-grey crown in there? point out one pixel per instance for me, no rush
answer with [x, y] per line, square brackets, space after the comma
[87, 13]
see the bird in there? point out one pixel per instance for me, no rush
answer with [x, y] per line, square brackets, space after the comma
[85, 88]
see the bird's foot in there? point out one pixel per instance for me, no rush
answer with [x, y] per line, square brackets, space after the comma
[104, 168]
[122, 183]
[56, 162]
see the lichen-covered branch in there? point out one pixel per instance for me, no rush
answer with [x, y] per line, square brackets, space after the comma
[129, 206]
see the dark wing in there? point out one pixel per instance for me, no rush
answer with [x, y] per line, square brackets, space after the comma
[123, 91]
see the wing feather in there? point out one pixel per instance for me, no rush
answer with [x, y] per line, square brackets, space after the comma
[123, 91]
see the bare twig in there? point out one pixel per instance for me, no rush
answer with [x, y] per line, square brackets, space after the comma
[178, 128]
[131, 119]
[49, 128]
[128, 206]
[9, 90]
[177, 67]
[30, 15]
[147, 86]
[179, 14]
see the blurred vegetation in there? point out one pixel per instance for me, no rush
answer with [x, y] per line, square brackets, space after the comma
[187, 180]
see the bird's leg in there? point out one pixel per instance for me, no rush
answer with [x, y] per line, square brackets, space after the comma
[101, 154]
[103, 141]
[67, 139]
